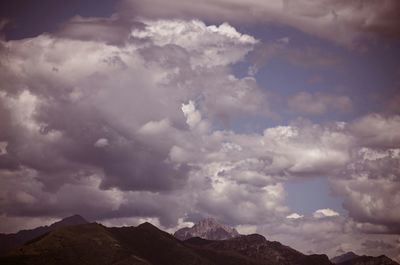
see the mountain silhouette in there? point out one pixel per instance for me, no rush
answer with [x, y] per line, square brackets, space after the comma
[146, 244]
[11, 241]
[350, 258]
[93, 243]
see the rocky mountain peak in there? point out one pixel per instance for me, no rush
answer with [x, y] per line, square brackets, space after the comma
[211, 223]
[207, 228]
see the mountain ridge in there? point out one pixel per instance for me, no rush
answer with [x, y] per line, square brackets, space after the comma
[257, 248]
[146, 244]
[14, 240]
[368, 260]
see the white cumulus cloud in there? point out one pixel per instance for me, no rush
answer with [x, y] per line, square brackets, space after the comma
[326, 212]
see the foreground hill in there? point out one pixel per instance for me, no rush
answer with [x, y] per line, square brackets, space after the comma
[11, 241]
[82, 244]
[97, 244]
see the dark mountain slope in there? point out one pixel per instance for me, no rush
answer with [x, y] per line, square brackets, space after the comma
[11, 241]
[257, 249]
[156, 246]
[82, 244]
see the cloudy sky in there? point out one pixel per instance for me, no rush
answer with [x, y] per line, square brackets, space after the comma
[277, 117]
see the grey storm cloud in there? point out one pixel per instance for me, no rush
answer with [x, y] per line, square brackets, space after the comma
[377, 130]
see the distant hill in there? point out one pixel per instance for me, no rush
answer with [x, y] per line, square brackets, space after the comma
[11, 241]
[208, 229]
[345, 257]
[363, 260]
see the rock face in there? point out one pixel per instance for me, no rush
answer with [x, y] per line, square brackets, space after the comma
[207, 229]
[11, 241]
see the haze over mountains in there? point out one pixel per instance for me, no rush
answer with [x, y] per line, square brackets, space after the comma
[74, 241]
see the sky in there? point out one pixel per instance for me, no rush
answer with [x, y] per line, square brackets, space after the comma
[276, 117]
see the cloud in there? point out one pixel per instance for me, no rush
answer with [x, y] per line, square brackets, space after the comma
[375, 130]
[306, 149]
[109, 30]
[102, 142]
[340, 21]
[371, 201]
[85, 115]
[197, 38]
[322, 213]
[252, 205]
[318, 103]
[369, 186]
[193, 116]
[3, 148]
[294, 216]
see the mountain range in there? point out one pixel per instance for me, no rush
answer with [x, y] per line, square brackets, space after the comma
[92, 243]
[350, 258]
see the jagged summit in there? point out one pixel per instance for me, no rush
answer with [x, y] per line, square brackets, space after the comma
[207, 228]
